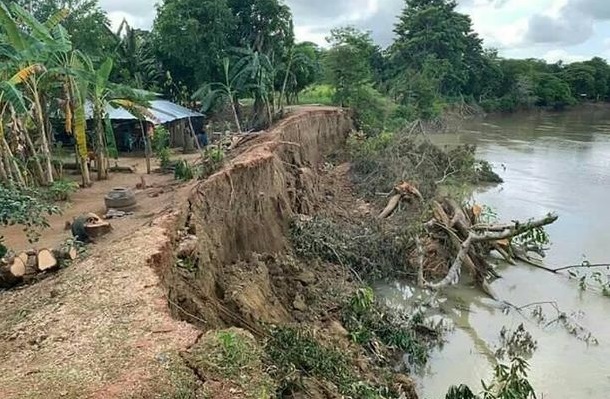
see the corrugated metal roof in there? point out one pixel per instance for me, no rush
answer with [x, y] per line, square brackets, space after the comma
[163, 111]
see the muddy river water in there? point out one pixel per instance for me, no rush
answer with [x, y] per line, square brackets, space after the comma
[550, 162]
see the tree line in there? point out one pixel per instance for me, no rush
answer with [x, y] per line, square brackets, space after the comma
[241, 58]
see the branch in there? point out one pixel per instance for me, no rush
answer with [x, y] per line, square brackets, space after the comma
[512, 230]
[583, 266]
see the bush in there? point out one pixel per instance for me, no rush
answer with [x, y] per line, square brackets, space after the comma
[160, 146]
[371, 110]
[369, 321]
[371, 249]
[61, 190]
[391, 158]
[26, 208]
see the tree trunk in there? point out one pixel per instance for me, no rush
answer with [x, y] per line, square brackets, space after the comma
[46, 153]
[16, 172]
[3, 174]
[102, 167]
[235, 115]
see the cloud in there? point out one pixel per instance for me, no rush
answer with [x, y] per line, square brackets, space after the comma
[554, 56]
[138, 13]
[574, 22]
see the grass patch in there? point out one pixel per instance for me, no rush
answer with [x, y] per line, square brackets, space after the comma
[296, 354]
[317, 94]
[232, 356]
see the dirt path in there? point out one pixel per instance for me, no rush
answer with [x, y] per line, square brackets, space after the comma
[101, 328]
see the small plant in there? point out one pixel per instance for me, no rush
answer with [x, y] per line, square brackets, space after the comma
[26, 208]
[183, 171]
[212, 160]
[509, 382]
[518, 343]
[61, 190]
[160, 146]
[368, 322]
[295, 353]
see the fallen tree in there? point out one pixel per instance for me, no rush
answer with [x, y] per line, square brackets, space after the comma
[471, 242]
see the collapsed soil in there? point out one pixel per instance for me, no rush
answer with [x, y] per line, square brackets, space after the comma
[126, 321]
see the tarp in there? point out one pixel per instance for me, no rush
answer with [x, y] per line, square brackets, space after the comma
[163, 111]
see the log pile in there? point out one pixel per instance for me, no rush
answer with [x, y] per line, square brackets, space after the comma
[27, 265]
[470, 242]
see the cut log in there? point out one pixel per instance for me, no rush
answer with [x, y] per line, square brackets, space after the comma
[12, 273]
[24, 257]
[46, 260]
[17, 268]
[65, 252]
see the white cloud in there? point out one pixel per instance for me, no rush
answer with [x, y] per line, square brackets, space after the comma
[553, 56]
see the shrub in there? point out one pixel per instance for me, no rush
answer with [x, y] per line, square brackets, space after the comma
[61, 190]
[160, 144]
[26, 208]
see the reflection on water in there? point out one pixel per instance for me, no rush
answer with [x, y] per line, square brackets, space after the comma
[550, 162]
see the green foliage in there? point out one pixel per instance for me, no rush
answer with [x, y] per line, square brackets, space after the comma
[368, 247]
[183, 171]
[213, 158]
[61, 190]
[391, 158]
[25, 208]
[347, 63]
[518, 343]
[509, 382]
[317, 94]
[160, 146]
[296, 353]
[369, 322]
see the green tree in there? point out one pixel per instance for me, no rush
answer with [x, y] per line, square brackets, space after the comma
[265, 26]
[431, 31]
[87, 24]
[601, 76]
[581, 78]
[552, 91]
[347, 63]
[191, 38]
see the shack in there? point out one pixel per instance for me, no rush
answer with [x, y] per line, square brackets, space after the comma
[182, 124]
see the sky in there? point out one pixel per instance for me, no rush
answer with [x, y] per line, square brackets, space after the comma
[570, 30]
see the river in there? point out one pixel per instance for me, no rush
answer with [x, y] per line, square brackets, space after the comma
[551, 162]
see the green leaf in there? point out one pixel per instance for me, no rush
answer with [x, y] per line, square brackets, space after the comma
[13, 96]
[102, 76]
[10, 27]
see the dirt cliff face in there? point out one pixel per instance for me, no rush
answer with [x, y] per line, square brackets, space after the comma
[245, 209]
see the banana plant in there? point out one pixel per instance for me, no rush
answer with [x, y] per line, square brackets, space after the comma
[228, 90]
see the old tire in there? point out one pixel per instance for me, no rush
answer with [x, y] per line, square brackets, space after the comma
[120, 199]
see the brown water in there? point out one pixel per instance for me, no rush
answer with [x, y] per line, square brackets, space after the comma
[550, 162]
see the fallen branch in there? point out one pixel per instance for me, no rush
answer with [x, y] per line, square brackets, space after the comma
[582, 266]
[495, 233]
